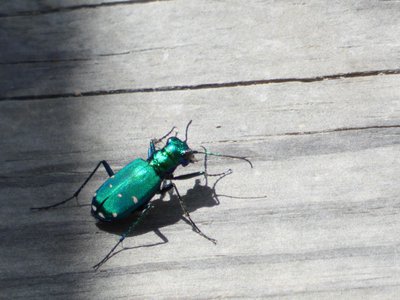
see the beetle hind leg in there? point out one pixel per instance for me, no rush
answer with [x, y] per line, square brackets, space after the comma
[132, 227]
[109, 171]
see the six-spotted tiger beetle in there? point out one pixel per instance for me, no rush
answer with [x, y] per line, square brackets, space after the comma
[133, 187]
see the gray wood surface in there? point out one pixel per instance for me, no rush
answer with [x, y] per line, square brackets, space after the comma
[181, 43]
[316, 218]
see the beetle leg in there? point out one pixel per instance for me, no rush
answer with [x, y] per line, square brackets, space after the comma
[144, 213]
[186, 176]
[185, 211]
[195, 174]
[151, 150]
[110, 173]
[165, 187]
[156, 141]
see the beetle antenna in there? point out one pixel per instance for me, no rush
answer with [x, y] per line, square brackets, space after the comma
[206, 152]
[187, 128]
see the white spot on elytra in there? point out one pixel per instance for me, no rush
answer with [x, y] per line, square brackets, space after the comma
[94, 207]
[101, 215]
[134, 199]
[112, 176]
[120, 195]
[110, 186]
[115, 215]
[95, 194]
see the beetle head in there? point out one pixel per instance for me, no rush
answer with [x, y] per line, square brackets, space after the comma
[182, 150]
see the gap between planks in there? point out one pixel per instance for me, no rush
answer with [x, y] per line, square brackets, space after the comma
[75, 7]
[356, 74]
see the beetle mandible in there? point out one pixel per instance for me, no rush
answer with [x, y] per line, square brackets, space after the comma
[132, 188]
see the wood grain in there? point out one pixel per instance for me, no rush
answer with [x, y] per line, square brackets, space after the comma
[316, 218]
[180, 43]
[21, 8]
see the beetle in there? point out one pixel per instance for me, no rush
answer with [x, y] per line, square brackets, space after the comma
[132, 188]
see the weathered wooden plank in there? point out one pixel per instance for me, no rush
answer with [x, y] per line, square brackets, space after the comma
[190, 42]
[313, 234]
[122, 122]
[326, 153]
[327, 228]
[17, 8]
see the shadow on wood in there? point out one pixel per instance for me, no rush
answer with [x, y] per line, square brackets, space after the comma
[166, 213]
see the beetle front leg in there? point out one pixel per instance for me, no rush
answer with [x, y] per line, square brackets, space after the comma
[154, 142]
[109, 171]
[195, 174]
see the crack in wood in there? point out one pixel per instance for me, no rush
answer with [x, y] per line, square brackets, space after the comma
[341, 129]
[255, 138]
[75, 7]
[93, 57]
[212, 261]
[205, 85]
[246, 139]
[22, 62]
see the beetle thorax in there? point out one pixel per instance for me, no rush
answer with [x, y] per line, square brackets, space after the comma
[167, 159]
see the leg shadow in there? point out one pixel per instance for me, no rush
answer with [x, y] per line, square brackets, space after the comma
[165, 213]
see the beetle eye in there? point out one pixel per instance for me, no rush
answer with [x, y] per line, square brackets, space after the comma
[189, 156]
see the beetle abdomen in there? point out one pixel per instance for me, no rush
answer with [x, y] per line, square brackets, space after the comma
[121, 194]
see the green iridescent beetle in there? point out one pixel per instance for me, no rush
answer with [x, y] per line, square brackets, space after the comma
[132, 188]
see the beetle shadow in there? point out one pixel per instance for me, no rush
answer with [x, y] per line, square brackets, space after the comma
[166, 212]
